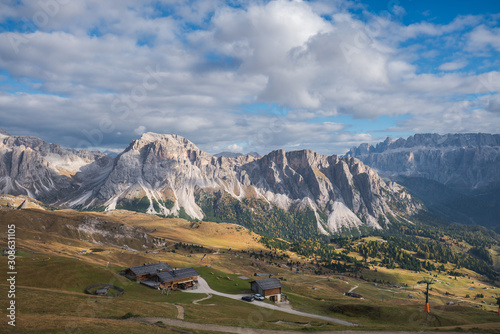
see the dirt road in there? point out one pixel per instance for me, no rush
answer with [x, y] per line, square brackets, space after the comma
[203, 287]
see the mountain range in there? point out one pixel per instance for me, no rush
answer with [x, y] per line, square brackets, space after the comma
[457, 176]
[286, 193]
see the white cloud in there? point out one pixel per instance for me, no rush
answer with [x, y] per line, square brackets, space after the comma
[140, 129]
[235, 148]
[494, 104]
[483, 36]
[314, 59]
[453, 65]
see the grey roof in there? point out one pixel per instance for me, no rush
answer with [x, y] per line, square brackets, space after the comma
[168, 276]
[268, 283]
[151, 284]
[151, 268]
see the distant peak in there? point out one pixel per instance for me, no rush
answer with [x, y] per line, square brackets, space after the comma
[227, 154]
[151, 136]
[388, 140]
[162, 143]
[254, 154]
[3, 132]
[166, 139]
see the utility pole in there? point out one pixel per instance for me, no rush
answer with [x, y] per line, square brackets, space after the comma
[427, 281]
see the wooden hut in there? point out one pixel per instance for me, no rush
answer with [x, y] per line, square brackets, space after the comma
[268, 287]
[147, 271]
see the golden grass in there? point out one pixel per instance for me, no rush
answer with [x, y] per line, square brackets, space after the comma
[214, 235]
[65, 274]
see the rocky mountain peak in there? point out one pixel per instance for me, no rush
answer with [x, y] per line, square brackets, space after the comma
[462, 161]
[172, 139]
[154, 147]
[167, 174]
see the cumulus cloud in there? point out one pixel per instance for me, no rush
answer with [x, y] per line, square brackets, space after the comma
[96, 74]
[483, 36]
[453, 65]
[494, 104]
[140, 129]
[235, 148]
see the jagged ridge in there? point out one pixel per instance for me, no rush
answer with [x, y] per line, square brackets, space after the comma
[461, 161]
[169, 175]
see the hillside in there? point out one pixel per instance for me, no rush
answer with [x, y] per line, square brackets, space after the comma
[52, 270]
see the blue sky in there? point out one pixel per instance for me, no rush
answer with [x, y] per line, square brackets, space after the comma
[248, 75]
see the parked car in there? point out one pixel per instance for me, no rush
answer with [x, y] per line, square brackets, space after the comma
[258, 297]
[248, 298]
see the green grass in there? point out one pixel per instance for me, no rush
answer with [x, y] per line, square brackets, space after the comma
[54, 288]
[64, 274]
[237, 313]
[136, 204]
[223, 284]
[48, 302]
[47, 324]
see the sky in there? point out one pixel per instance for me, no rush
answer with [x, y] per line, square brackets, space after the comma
[247, 76]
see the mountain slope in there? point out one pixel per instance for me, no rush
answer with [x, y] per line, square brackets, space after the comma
[460, 161]
[169, 175]
[48, 172]
[456, 175]
[283, 193]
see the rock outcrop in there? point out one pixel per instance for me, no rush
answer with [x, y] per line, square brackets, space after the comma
[169, 175]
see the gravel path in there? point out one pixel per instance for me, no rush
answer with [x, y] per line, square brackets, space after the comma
[203, 287]
[180, 311]
[202, 299]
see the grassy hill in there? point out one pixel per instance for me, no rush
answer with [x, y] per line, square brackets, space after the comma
[53, 272]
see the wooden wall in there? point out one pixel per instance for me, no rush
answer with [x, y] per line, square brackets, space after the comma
[271, 292]
[189, 281]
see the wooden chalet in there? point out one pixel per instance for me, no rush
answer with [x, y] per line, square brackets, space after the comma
[178, 279]
[147, 271]
[268, 287]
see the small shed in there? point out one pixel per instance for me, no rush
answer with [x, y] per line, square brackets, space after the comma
[268, 287]
[181, 278]
[102, 291]
[147, 270]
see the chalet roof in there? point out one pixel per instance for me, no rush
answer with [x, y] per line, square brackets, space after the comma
[168, 276]
[151, 268]
[268, 283]
[151, 284]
